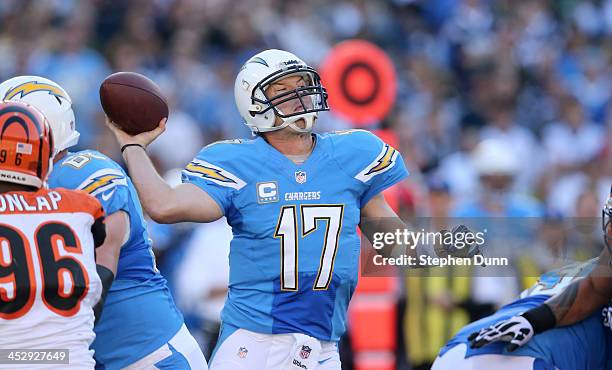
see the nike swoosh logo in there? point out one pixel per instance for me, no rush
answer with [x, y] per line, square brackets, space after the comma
[323, 361]
[106, 196]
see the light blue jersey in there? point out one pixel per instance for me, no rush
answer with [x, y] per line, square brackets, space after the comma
[294, 256]
[139, 315]
[581, 346]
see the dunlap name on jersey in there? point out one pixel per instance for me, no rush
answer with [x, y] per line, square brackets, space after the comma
[18, 203]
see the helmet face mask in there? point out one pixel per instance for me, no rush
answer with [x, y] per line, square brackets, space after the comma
[312, 96]
[261, 109]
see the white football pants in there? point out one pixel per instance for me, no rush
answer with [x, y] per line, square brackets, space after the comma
[246, 350]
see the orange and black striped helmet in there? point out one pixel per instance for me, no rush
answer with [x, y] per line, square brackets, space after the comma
[26, 144]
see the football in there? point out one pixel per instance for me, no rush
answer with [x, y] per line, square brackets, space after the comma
[133, 102]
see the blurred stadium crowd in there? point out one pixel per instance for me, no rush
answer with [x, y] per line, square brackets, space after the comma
[530, 78]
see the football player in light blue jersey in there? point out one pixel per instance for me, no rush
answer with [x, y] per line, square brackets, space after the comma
[294, 200]
[563, 322]
[140, 326]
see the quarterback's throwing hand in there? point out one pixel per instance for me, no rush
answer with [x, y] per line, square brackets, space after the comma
[516, 331]
[144, 138]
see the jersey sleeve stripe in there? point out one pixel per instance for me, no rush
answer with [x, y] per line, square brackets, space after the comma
[102, 180]
[383, 163]
[213, 173]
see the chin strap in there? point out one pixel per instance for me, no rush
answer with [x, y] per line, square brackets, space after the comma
[292, 123]
[307, 127]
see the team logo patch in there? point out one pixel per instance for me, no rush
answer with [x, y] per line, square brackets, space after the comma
[213, 173]
[267, 192]
[300, 177]
[242, 352]
[33, 86]
[209, 172]
[258, 60]
[305, 352]
[102, 181]
[383, 162]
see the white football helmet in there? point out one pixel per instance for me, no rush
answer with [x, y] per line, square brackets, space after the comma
[51, 99]
[260, 111]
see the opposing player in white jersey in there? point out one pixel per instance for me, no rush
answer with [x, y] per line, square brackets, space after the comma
[294, 199]
[48, 279]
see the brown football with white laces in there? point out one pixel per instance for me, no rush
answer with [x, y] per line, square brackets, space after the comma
[133, 102]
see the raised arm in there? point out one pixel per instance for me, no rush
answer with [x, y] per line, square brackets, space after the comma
[581, 298]
[163, 203]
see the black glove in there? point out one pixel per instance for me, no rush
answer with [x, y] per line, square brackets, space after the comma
[456, 243]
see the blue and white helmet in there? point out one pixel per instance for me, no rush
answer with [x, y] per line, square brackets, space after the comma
[258, 110]
[49, 98]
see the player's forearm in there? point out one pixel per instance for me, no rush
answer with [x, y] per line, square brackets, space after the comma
[377, 218]
[579, 300]
[163, 203]
[387, 226]
[153, 191]
[575, 303]
[117, 233]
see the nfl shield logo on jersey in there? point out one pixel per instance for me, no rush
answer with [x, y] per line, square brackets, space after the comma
[305, 352]
[242, 352]
[300, 177]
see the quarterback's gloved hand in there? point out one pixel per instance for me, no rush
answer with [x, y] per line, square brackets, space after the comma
[458, 243]
[516, 331]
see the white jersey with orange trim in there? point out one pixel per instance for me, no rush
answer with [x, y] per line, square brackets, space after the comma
[48, 278]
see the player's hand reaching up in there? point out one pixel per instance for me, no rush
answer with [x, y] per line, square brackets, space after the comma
[516, 331]
[143, 139]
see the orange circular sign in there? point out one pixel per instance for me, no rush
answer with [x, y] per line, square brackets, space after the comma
[360, 80]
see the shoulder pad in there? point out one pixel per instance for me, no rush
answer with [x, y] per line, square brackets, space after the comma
[225, 163]
[90, 171]
[362, 153]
